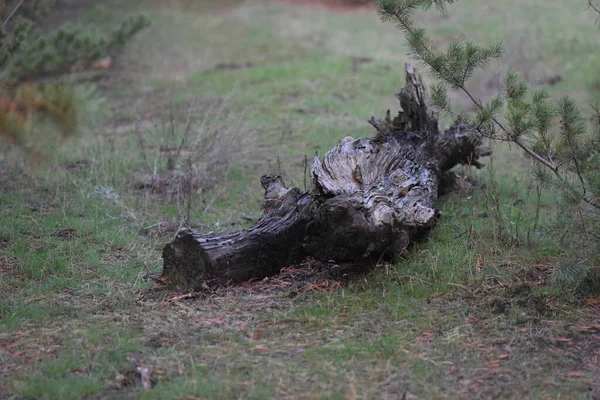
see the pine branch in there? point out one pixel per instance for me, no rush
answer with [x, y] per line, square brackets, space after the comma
[456, 65]
[513, 138]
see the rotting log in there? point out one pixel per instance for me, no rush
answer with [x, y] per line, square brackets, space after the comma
[371, 198]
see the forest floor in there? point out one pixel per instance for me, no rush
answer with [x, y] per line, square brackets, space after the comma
[262, 85]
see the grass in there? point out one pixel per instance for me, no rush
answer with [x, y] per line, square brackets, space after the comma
[467, 314]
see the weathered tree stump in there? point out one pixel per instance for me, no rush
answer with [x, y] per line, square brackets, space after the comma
[371, 198]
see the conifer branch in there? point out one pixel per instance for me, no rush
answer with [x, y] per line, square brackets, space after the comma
[513, 138]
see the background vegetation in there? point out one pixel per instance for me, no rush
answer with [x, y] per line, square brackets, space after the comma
[472, 312]
[34, 58]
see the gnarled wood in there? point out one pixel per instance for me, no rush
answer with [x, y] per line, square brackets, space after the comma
[371, 197]
[274, 242]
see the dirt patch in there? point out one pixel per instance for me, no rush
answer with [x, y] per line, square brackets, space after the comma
[345, 6]
[43, 208]
[9, 267]
[230, 5]
[358, 62]
[309, 276]
[66, 234]
[233, 66]
[79, 165]
[313, 111]
[161, 229]
[191, 4]
[22, 349]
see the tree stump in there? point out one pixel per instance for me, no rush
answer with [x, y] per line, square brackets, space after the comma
[370, 199]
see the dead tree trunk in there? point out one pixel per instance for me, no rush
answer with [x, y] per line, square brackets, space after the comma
[371, 198]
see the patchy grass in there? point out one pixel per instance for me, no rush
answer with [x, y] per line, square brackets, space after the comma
[467, 314]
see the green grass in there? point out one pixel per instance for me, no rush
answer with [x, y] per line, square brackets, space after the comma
[467, 313]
